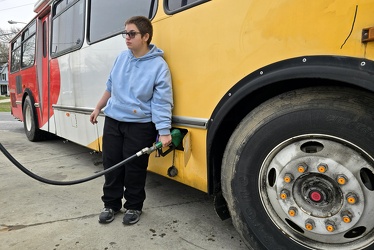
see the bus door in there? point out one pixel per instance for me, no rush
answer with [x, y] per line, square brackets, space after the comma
[43, 72]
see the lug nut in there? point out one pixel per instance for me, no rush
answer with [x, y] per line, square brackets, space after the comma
[284, 194]
[288, 178]
[342, 180]
[347, 218]
[330, 226]
[309, 225]
[322, 168]
[292, 212]
[352, 198]
[302, 168]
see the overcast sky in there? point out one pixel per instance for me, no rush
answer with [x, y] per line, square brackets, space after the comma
[16, 10]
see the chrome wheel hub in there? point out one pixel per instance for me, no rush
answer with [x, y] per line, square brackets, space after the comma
[319, 190]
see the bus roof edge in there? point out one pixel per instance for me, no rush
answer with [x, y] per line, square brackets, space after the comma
[39, 5]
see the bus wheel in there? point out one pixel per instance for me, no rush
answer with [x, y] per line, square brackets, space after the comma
[297, 172]
[32, 130]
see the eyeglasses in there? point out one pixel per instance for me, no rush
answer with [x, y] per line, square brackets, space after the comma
[131, 34]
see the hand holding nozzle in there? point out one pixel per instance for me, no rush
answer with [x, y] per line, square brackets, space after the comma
[176, 138]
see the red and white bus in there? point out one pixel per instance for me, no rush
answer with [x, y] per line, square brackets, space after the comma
[275, 100]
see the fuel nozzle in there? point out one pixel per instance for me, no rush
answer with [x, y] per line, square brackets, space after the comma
[176, 138]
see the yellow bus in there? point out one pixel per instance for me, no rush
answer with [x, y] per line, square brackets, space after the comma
[274, 98]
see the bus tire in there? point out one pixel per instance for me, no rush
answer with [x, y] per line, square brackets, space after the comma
[30, 122]
[276, 205]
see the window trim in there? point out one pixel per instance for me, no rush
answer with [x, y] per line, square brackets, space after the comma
[19, 47]
[54, 16]
[33, 36]
[89, 42]
[188, 6]
[23, 40]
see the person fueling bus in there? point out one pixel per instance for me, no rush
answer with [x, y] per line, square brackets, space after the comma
[137, 103]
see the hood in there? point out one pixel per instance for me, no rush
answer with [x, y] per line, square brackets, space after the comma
[152, 53]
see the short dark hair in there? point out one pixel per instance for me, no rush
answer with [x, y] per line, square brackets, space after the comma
[143, 24]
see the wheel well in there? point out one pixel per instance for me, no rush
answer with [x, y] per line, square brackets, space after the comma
[272, 80]
[26, 94]
[242, 108]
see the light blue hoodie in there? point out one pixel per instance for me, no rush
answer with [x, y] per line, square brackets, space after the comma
[141, 90]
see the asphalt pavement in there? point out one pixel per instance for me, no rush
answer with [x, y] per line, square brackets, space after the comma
[35, 215]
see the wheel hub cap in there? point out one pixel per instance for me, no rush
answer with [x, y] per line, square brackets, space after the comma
[316, 196]
[319, 192]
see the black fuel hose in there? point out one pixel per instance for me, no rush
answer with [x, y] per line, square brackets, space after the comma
[73, 182]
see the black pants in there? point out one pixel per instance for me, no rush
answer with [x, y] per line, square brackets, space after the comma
[121, 140]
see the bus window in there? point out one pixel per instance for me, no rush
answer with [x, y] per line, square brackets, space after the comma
[173, 6]
[67, 27]
[45, 39]
[107, 18]
[29, 31]
[16, 55]
[28, 46]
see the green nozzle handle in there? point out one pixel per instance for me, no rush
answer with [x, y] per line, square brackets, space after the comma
[176, 138]
[158, 145]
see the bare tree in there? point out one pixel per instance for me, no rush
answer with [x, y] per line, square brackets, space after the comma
[3, 53]
[5, 37]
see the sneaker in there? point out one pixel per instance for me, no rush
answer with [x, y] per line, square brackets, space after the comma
[107, 215]
[131, 216]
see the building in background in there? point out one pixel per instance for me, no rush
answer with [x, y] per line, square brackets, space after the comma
[4, 90]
